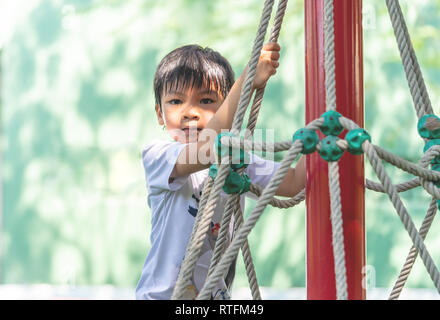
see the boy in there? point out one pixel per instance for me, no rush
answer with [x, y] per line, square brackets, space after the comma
[196, 98]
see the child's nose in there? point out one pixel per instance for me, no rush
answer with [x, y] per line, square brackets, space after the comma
[191, 114]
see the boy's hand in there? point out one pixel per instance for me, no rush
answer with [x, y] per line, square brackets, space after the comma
[267, 65]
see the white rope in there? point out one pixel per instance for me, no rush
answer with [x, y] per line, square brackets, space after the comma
[333, 167]
[413, 253]
[402, 212]
[413, 72]
[199, 231]
[224, 256]
[245, 229]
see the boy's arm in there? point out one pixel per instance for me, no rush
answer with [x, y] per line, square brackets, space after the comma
[294, 181]
[223, 118]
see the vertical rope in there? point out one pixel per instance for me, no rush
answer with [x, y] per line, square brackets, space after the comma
[333, 172]
[223, 235]
[244, 98]
[252, 68]
[337, 232]
[329, 52]
[199, 230]
[276, 28]
[416, 84]
[247, 258]
[253, 116]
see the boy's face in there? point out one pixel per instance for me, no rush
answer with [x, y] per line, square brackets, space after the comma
[186, 111]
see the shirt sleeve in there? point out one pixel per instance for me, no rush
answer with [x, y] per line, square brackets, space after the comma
[159, 159]
[260, 171]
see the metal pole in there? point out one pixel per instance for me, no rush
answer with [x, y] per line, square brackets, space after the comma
[349, 90]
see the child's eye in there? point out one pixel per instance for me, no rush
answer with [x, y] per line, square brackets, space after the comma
[206, 101]
[175, 101]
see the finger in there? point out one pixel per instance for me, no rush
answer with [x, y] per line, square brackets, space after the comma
[271, 46]
[274, 55]
[270, 55]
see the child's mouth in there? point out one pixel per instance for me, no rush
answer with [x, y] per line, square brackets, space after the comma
[191, 131]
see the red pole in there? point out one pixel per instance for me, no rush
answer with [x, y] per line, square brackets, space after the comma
[349, 91]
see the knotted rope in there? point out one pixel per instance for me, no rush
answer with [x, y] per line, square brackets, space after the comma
[225, 255]
[202, 226]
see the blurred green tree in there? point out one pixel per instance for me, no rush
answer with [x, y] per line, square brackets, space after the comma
[77, 108]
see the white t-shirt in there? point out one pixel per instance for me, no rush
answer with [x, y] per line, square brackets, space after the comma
[173, 209]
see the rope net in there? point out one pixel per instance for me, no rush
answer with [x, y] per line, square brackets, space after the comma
[331, 123]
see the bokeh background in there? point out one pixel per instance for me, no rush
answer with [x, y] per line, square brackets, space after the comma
[77, 107]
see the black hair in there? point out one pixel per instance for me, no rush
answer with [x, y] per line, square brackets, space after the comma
[192, 66]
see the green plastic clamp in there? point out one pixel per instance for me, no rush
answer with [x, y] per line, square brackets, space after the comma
[330, 151]
[239, 158]
[309, 139]
[355, 139]
[428, 126]
[331, 125]
[234, 183]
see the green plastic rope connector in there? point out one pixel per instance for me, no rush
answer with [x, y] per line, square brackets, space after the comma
[213, 169]
[429, 144]
[330, 151]
[234, 183]
[309, 139]
[239, 158]
[331, 125]
[429, 126]
[355, 139]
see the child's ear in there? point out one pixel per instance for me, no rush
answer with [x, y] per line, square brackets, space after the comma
[159, 115]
